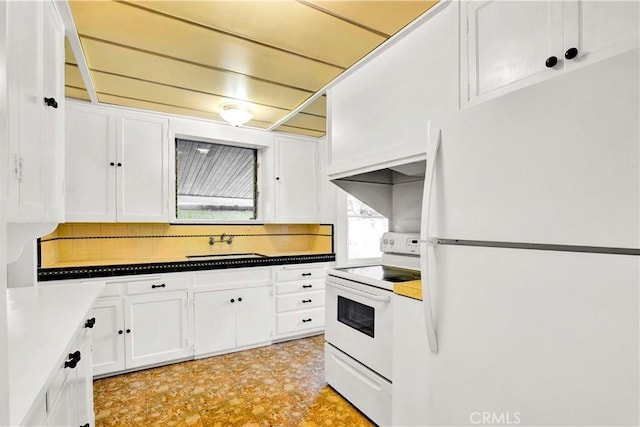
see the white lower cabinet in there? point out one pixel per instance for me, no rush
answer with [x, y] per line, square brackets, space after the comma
[157, 329]
[300, 300]
[229, 319]
[68, 400]
[141, 330]
[108, 340]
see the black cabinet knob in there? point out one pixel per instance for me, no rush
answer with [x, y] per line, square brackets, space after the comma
[306, 320]
[90, 323]
[120, 332]
[128, 331]
[85, 425]
[51, 102]
[75, 356]
[71, 363]
[307, 286]
[240, 299]
[277, 178]
[112, 164]
[304, 301]
[158, 286]
[571, 53]
[551, 61]
[233, 300]
[119, 164]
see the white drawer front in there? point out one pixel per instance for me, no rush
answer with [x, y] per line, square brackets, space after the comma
[111, 290]
[157, 285]
[365, 389]
[301, 274]
[300, 320]
[301, 286]
[301, 301]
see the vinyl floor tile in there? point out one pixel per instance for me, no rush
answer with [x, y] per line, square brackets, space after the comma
[278, 385]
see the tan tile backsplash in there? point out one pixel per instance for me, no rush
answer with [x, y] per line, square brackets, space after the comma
[84, 243]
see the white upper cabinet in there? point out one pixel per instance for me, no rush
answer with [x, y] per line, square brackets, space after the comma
[296, 180]
[380, 112]
[512, 44]
[90, 164]
[117, 167]
[142, 169]
[36, 119]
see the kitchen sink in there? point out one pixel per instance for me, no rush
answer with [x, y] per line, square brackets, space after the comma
[223, 256]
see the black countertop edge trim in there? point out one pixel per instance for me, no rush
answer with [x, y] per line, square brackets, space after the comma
[90, 272]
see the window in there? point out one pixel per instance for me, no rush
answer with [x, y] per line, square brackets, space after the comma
[364, 230]
[215, 181]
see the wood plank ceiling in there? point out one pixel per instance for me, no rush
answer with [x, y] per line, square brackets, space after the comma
[188, 57]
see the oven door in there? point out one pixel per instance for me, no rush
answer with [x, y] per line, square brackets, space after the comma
[359, 322]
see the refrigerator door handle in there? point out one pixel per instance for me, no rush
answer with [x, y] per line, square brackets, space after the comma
[426, 241]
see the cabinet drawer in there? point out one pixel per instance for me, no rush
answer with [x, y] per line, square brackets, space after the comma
[301, 301]
[301, 286]
[301, 274]
[111, 290]
[157, 285]
[300, 320]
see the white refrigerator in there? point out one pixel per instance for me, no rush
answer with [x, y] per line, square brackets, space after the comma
[530, 256]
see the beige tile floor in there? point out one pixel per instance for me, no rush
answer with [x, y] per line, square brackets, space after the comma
[279, 385]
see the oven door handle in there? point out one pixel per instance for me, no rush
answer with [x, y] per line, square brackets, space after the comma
[358, 292]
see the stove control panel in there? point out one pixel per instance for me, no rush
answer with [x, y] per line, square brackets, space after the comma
[400, 243]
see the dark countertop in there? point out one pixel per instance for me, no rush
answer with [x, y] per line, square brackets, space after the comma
[89, 272]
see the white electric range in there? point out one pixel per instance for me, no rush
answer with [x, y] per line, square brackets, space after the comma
[359, 326]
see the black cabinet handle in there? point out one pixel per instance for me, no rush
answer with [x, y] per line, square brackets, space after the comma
[158, 286]
[85, 425]
[233, 300]
[90, 323]
[551, 62]
[571, 53]
[128, 331]
[51, 102]
[307, 286]
[306, 274]
[304, 301]
[120, 332]
[112, 164]
[306, 320]
[71, 363]
[75, 356]
[240, 299]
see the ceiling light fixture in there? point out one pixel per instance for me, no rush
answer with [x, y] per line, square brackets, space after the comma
[235, 114]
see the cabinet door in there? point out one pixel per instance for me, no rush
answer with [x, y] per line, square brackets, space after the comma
[254, 316]
[108, 337]
[143, 175]
[215, 321]
[52, 176]
[157, 329]
[83, 394]
[63, 412]
[90, 165]
[508, 43]
[600, 29]
[295, 189]
[26, 115]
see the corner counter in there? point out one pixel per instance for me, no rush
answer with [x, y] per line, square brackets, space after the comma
[42, 321]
